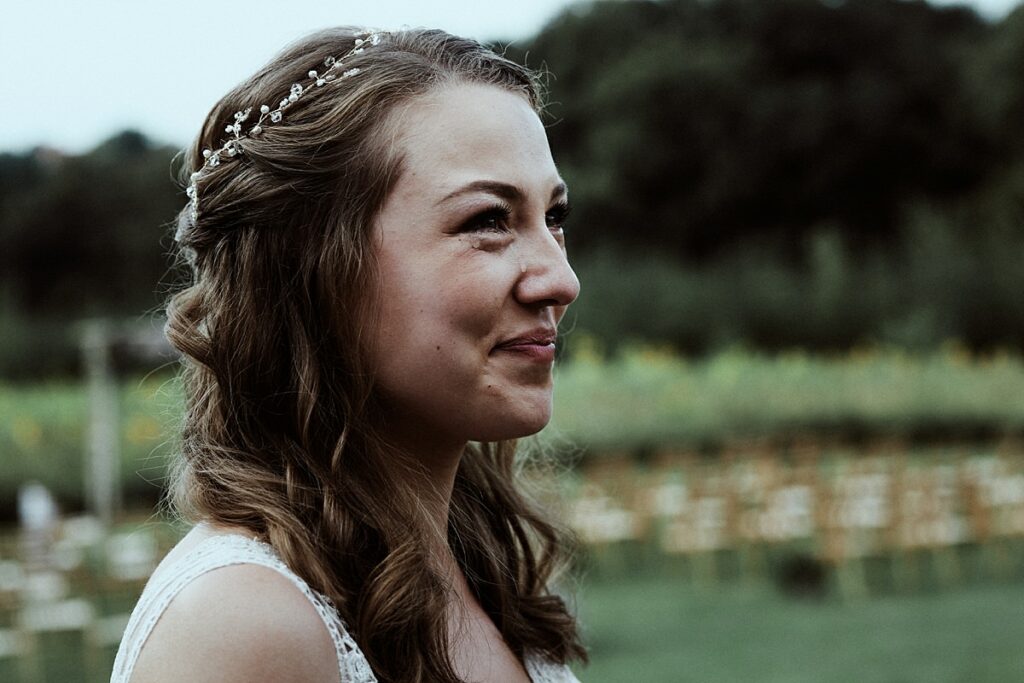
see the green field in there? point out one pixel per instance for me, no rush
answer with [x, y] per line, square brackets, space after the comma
[657, 629]
[653, 398]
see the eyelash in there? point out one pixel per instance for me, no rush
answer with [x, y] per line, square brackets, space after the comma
[481, 222]
[558, 214]
[501, 213]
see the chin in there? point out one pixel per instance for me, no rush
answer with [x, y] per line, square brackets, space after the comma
[514, 426]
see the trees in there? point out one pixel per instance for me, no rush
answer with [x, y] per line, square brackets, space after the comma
[808, 173]
[696, 126]
[82, 234]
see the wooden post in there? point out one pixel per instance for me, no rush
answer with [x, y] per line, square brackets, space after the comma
[103, 492]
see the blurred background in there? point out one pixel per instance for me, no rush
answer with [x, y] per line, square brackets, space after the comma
[789, 411]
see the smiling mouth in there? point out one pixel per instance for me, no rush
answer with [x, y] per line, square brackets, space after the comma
[539, 351]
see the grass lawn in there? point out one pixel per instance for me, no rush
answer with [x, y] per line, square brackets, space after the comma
[653, 629]
[658, 629]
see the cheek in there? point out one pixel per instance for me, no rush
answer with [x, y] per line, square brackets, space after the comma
[441, 301]
[459, 300]
[432, 317]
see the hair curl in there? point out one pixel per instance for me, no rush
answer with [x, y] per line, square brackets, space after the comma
[280, 434]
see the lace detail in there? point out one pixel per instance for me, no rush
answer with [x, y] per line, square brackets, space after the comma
[214, 553]
[225, 550]
[542, 671]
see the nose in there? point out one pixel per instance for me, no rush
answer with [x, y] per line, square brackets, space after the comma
[546, 277]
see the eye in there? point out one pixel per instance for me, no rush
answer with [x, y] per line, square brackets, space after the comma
[557, 215]
[493, 219]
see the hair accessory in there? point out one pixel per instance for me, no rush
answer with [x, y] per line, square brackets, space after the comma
[235, 145]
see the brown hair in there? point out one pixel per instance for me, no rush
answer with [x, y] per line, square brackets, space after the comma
[280, 434]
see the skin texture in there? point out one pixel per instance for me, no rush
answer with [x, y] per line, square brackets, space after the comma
[236, 624]
[455, 285]
[452, 292]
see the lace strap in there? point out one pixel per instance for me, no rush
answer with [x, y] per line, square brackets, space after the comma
[541, 670]
[226, 550]
[214, 553]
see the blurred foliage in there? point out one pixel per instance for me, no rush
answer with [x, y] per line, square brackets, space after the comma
[956, 277]
[651, 398]
[82, 235]
[640, 398]
[698, 125]
[806, 174]
[44, 432]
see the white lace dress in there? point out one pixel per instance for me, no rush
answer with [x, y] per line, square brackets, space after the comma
[225, 550]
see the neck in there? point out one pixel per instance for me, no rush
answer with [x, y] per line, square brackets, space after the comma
[433, 479]
[435, 457]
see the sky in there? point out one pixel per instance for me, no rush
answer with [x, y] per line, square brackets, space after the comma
[75, 72]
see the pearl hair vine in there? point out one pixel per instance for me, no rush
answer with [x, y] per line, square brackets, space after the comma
[235, 145]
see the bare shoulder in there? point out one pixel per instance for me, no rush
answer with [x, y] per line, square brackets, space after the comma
[242, 622]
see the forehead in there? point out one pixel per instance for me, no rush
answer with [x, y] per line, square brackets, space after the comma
[466, 132]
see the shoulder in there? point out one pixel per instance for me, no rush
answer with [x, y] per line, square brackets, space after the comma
[242, 622]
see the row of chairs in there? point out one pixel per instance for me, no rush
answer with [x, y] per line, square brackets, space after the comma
[845, 504]
[73, 579]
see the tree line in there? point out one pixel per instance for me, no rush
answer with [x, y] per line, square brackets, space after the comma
[785, 173]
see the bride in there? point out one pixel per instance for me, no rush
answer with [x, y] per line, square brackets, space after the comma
[375, 235]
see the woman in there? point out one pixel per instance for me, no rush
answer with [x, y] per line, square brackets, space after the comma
[375, 235]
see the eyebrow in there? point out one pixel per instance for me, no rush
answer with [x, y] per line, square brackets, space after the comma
[506, 191]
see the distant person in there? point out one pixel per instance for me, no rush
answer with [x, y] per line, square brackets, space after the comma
[375, 232]
[39, 520]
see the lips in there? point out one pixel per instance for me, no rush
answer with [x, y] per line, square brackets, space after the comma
[538, 345]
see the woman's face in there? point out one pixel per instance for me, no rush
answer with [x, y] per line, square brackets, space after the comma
[473, 273]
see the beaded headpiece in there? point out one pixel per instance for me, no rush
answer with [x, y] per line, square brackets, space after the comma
[235, 145]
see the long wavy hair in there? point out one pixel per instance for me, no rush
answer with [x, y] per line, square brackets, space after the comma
[282, 433]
